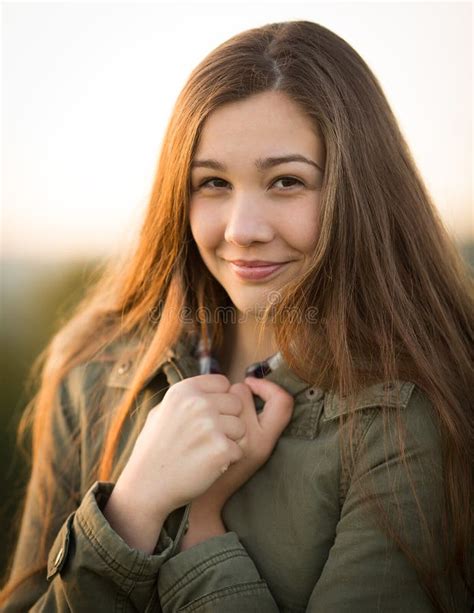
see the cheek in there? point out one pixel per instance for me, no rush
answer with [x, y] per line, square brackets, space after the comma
[204, 228]
[302, 231]
[309, 238]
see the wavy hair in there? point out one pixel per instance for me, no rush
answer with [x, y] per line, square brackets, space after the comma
[393, 296]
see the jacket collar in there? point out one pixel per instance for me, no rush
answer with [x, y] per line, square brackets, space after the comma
[126, 363]
[304, 423]
[183, 358]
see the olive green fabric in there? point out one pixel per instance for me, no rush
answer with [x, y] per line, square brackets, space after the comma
[301, 532]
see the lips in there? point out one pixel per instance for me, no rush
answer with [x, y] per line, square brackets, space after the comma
[255, 272]
[254, 263]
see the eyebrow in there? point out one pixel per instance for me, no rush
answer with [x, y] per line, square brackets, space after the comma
[261, 164]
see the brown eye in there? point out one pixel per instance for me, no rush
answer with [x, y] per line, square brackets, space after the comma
[214, 183]
[294, 182]
[207, 183]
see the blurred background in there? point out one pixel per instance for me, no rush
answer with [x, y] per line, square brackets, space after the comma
[87, 90]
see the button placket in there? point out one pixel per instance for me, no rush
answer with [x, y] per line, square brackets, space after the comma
[306, 415]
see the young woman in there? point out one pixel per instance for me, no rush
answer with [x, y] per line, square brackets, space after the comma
[268, 405]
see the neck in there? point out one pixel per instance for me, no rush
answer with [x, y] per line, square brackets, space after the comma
[242, 346]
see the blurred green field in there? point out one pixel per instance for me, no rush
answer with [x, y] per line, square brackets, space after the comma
[35, 298]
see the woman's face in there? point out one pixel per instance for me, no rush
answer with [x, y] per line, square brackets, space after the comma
[248, 202]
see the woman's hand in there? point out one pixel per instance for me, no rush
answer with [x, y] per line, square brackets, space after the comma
[183, 445]
[262, 432]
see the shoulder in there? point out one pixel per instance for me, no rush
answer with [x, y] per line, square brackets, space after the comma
[389, 394]
[410, 400]
[388, 417]
[94, 377]
[394, 440]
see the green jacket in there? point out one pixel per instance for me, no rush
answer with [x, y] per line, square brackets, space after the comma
[300, 536]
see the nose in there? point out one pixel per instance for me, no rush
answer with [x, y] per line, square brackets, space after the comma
[248, 222]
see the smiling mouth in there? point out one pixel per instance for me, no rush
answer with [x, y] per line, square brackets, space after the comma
[256, 272]
[254, 263]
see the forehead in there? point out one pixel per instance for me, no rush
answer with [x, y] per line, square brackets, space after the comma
[263, 123]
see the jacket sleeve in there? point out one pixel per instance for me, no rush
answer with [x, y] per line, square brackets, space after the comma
[89, 566]
[214, 575]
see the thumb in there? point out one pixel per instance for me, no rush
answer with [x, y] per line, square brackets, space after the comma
[278, 407]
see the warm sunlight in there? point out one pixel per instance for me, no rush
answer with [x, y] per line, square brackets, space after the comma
[88, 89]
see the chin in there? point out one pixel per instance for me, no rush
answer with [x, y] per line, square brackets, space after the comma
[249, 308]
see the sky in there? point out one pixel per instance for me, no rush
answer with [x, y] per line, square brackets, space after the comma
[88, 89]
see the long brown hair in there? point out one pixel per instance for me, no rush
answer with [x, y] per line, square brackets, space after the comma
[393, 296]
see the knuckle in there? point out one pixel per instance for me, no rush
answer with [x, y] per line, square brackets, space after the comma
[223, 378]
[206, 424]
[219, 381]
[152, 412]
[242, 428]
[220, 445]
[238, 390]
[238, 406]
[199, 405]
[244, 389]
[170, 392]
[177, 391]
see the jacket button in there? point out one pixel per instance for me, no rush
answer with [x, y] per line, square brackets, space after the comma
[314, 393]
[59, 557]
[124, 367]
[388, 387]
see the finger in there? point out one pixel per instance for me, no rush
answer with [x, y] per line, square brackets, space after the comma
[226, 404]
[241, 389]
[233, 427]
[153, 411]
[245, 394]
[236, 452]
[210, 383]
[279, 405]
